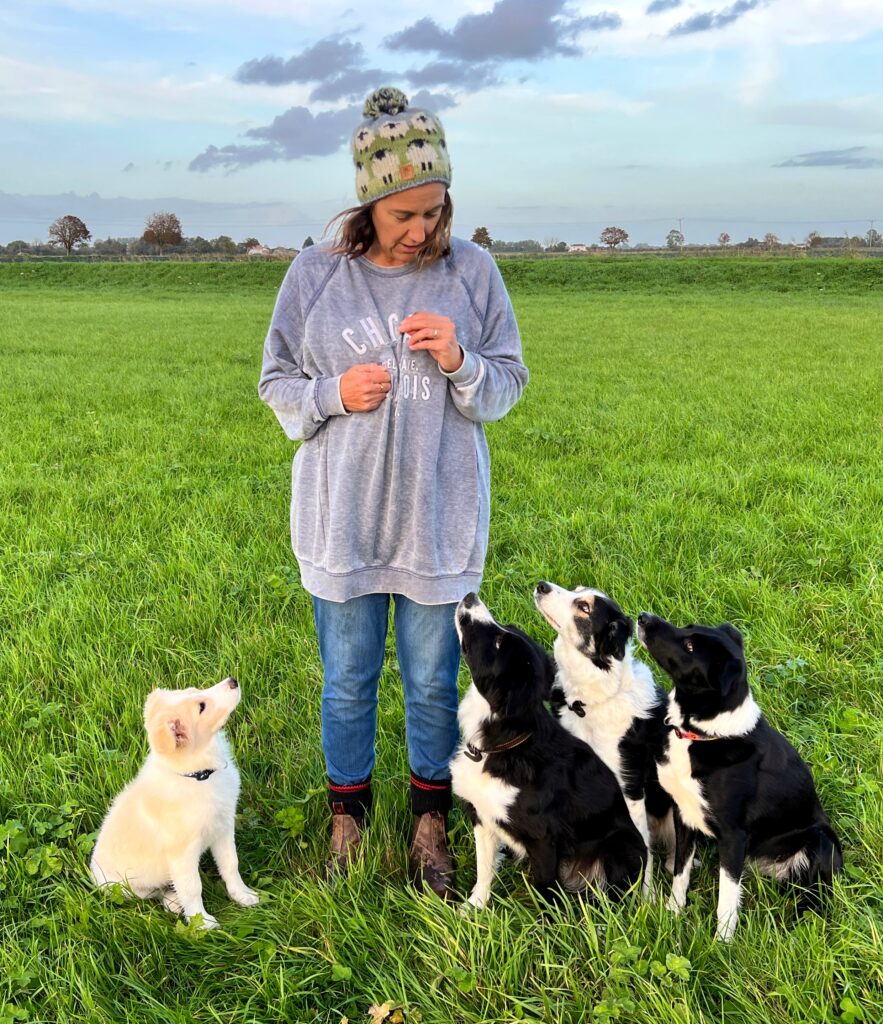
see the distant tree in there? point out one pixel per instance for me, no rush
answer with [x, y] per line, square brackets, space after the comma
[162, 229]
[771, 241]
[482, 237]
[110, 247]
[14, 248]
[751, 242]
[524, 245]
[558, 247]
[199, 246]
[675, 239]
[248, 243]
[874, 239]
[308, 241]
[68, 231]
[813, 240]
[613, 236]
[224, 244]
[723, 239]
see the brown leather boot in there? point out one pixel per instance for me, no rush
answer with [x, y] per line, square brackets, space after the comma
[346, 838]
[432, 866]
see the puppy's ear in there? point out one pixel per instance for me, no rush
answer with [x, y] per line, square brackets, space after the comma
[614, 640]
[732, 672]
[732, 633]
[166, 731]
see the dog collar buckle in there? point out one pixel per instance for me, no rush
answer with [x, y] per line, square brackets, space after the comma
[200, 776]
[473, 753]
[578, 708]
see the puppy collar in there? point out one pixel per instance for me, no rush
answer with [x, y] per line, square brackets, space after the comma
[682, 734]
[476, 753]
[202, 774]
[578, 708]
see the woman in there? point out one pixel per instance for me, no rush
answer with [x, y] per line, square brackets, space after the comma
[386, 353]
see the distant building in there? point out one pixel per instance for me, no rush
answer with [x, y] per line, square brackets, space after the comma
[258, 250]
[579, 247]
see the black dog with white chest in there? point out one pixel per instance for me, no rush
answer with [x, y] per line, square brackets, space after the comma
[530, 785]
[732, 776]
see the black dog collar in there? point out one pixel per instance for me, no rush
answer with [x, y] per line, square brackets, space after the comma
[202, 774]
[476, 753]
[578, 708]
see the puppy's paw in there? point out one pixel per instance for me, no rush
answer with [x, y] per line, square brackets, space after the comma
[477, 899]
[675, 905]
[208, 922]
[245, 897]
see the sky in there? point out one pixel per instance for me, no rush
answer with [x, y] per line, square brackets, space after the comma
[744, 116]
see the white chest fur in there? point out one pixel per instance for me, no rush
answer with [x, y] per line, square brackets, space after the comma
[676, 778]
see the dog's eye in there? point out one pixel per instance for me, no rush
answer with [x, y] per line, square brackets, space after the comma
[583, 606]
[201, 706]
[688, 645]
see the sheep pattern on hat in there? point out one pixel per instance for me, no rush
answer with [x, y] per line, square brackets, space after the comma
[397, 147]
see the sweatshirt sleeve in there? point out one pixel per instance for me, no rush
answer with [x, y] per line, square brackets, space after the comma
[490, 380]
[301, 403]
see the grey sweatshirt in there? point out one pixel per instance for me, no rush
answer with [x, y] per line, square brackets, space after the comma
[396, 500]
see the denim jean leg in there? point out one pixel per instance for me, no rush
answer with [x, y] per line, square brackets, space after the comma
[428, 653]
[352, 639]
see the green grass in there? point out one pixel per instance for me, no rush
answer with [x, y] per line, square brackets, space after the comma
[704, 443]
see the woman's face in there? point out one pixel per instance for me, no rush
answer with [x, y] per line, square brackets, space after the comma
[403, 222]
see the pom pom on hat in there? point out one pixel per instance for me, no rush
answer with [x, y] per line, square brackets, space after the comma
[385, 101]
[397, 147]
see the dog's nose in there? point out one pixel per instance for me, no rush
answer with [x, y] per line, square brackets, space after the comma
[470, 600]
[231, 682]
[543, 588]
[643, 618]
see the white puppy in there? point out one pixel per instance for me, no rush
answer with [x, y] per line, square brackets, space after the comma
[181, 803]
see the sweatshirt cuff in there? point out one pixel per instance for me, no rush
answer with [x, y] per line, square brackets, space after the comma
[328, 400]
[468, 371]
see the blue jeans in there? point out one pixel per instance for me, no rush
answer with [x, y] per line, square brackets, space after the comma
[352, 641]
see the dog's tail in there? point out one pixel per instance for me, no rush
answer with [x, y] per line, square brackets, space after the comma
[823, 860]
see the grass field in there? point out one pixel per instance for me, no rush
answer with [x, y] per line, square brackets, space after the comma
[704, 441]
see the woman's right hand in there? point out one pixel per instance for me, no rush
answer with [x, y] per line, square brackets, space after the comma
[364, 386]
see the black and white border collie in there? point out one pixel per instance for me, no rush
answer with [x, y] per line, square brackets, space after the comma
[732, 776]
[610, 701]
[529, 784]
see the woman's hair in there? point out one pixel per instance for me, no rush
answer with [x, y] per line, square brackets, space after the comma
[355, 233]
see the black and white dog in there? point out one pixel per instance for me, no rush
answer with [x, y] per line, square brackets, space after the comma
[610, 701]
[732, 776]
[529, 784]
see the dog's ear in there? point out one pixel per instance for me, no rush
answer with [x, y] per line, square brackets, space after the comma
[732, 633]
[732, 672]
[166, 731]
[613, 641]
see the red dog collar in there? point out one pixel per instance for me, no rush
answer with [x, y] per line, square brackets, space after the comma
[683, 735]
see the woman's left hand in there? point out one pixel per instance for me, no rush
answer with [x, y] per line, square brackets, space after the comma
[437, 335]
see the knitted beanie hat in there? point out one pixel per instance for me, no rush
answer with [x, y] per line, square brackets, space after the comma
[397, 147]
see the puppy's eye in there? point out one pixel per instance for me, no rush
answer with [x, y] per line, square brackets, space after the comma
[583, 606]
[688, 645]
[201, 706]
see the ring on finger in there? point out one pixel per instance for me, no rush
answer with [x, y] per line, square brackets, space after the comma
[436, 333]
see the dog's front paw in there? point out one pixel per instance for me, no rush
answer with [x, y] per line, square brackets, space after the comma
[674, 904]
[245, 897]
[477, 899]
[205, 924]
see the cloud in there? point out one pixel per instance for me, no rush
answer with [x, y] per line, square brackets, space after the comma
[461, 74]
[658, 6]
[848, 158]
[511, 30]
[324, 60]
[714, 19]
[291, 136]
